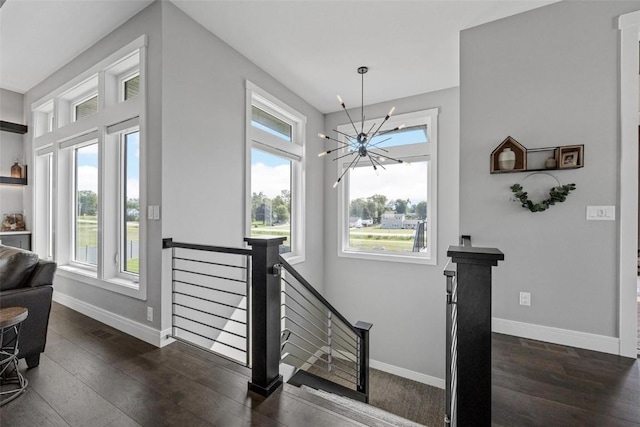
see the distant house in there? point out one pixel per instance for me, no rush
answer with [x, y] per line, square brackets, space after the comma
[392, 221]
[355, 222]
[367, 222]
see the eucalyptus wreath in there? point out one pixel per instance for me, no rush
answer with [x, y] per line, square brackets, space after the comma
[556, 195]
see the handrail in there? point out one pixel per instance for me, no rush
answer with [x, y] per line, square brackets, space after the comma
[316, 294]
[169, 243]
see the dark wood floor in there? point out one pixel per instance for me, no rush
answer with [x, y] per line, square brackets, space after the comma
[93, 375]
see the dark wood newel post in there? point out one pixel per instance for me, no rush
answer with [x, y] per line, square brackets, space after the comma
[265, 315]
[474, 332]
[363, 359]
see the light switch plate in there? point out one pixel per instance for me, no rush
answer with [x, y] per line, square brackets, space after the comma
[601, 213]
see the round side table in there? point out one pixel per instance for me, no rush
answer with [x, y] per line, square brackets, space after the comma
[13, 384]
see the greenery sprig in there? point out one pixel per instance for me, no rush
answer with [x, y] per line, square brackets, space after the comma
[557, 195]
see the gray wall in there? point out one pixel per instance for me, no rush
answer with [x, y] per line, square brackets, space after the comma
[405, 302]
[204, 141]
[547, 77]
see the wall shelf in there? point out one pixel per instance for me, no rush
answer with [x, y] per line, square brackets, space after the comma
[15, 181]
[534, 160]
[13, 127]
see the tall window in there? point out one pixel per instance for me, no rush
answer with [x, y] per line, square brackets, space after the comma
[390, 212]
[130, 231]
[86, 205]
[275, 147]
[93, 181]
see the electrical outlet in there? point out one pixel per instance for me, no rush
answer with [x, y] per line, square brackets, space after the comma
[525, 299]
[150, 314]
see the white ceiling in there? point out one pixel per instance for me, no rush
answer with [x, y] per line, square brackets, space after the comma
[312, 47]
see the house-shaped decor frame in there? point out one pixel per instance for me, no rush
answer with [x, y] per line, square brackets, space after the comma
[517, 148]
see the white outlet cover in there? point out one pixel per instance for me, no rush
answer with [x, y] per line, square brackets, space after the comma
[601, 213]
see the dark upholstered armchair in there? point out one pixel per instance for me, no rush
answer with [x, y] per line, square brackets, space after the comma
[27, 281]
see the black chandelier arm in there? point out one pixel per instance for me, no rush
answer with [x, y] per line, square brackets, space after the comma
[345, 134]
[383, 122]
[372, 126]
[344, 144]
[386, 157]
[347, 169]
[376, 145]
[374, 162]
[348, 115]
[345, 155]
[384, 132]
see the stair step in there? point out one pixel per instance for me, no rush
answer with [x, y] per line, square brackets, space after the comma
[358, 411]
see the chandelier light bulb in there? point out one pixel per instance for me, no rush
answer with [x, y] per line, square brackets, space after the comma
[391, 111]
[322, 135]
[324, 153]
[340, 100]
[402, 126]
[335, 184]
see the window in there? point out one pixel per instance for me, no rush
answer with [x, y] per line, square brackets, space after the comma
[275, 171]
[131, 87]
[390, 213]
[42, 238]
[85, 108]
[86, 205]
[130, 203]
[89, 177]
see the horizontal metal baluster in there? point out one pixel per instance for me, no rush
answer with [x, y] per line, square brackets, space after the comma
[210, 314]
[211, 301]
[303, 339]
[210, 288]
[210, 275]
[302, 306]
[305, 350]
[303, 328]
[210, 263]
[209, 338]
[209, 326]
[303, 318]
[295, 288]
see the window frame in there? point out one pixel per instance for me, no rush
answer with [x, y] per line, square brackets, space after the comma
[122, 218]
[111, 117]
[428, 151]
[74, 204]
[122, 80]
[293, 151]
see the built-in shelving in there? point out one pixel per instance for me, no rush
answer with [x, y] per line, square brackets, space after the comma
[538, 159]
[13, 127]
[20, 129]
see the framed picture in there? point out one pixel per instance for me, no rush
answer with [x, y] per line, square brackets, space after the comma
[571, 156]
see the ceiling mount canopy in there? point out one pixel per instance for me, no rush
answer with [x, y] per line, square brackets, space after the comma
[360, 144]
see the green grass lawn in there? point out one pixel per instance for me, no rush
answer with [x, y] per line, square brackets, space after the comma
[87, 236]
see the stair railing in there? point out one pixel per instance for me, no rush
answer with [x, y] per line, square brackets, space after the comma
[329, 352]
[217, 289]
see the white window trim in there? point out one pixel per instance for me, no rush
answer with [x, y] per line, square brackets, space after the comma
[428, 150]
[293, 150]
[65, 135]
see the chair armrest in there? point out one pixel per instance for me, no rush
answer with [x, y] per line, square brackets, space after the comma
[42, 274]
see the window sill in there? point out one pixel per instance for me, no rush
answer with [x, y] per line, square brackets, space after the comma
[388, 257]
[115, 284]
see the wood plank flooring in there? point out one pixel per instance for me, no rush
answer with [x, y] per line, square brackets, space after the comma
[93, 375]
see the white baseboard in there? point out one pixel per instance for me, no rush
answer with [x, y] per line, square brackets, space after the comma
[407, 373]
[128, 326]
[549, 334]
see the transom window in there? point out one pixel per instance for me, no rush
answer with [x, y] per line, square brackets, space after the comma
[390, 213]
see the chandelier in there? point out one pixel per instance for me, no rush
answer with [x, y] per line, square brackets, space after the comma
[360, 145]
